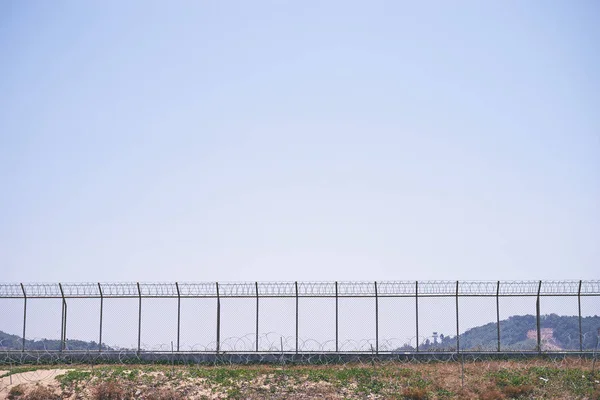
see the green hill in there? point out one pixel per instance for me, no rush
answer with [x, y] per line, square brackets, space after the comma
[514, 334]
[14, 342]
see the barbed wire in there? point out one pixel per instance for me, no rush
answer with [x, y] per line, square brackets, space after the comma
[274, 344]
[302, 289]
[361, 352]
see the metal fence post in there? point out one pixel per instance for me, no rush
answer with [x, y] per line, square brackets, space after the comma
[256, 287]
[376, 320]
[65, 334]
[218, 319]
[296, 284]
[457, 327]
[63, 329]
[579, 307]
[101, 313]
[139, 346]
[62, 325]
[417, 312]
[336, 319]
[498, 312]
[24, 314]
[178, 313]
[537, 320]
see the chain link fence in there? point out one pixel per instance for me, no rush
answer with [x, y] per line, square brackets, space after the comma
[300, 318]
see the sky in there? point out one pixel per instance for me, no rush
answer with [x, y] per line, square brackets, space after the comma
[313, 140]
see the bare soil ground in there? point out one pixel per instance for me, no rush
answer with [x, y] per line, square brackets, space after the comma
[487, 380]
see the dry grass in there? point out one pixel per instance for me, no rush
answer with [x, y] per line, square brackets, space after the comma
[41, 393]
[491, 393]
[163, 394]
[517, 392]
[109, 390]
[415, 394]
[20, 392]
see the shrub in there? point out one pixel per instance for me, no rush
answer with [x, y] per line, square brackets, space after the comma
[109, 390]
[41, 393]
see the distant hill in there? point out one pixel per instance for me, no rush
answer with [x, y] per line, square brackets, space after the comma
[14, 342]
[519, 333]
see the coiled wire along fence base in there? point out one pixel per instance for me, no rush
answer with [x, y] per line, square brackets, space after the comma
[317, 322]
[76, 358]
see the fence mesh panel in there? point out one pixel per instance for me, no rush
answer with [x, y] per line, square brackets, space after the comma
[316, 324]
[120, 319]
[437, 323]
[83, 324]
[559, 323]
[159, 324]
[277, 325]
[198, 325]
[478, 324]
[357, 324]
[11, 316]
[590, 323]
[238, 324]
[517, 324]
[43, 324]
[397, 324]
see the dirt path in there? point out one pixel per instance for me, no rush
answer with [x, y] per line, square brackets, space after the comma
[45, 377]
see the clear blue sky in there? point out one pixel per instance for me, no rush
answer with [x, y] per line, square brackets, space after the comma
[307, 140]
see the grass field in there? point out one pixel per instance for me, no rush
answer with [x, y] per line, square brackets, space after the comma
[488, 380]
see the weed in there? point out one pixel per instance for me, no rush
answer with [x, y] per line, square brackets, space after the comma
[505, 377]
[420, 383]
[444, 393]
[405, 372]
[223, 376]
[71, 377]
[318, 375]
[366, 380]
[234, 393]
[19, 370]
[545, 372]
[16, 392]
[577, 381]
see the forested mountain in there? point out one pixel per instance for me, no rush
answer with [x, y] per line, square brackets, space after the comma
[519, 333]
[14, 342]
